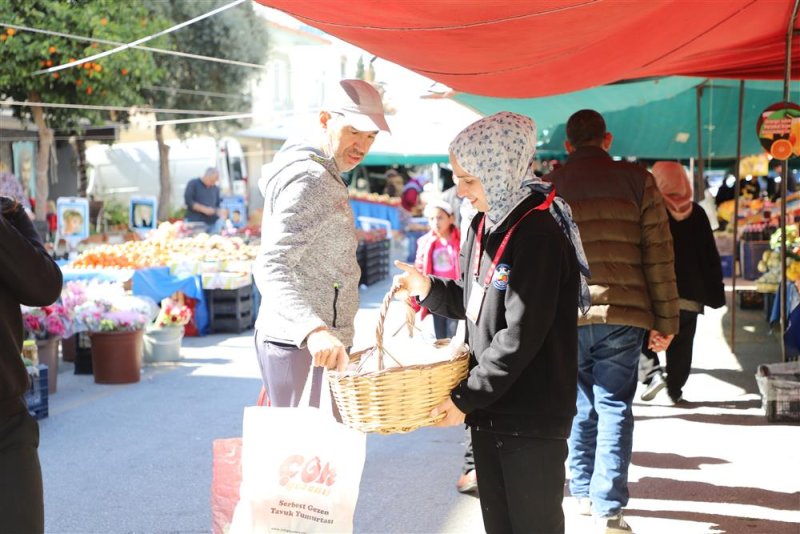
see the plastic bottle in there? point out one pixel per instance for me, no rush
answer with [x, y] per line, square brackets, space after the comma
[31, 351]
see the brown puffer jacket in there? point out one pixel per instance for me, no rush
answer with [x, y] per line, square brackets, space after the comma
[626, 236]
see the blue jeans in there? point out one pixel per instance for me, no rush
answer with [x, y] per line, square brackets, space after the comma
[601, 441]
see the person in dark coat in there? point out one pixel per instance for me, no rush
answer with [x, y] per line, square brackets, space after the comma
[29, 276]
[519, 291]
[698, 271]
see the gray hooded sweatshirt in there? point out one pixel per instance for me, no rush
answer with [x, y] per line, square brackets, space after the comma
[306, 270]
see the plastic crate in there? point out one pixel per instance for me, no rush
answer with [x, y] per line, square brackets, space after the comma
[83, 354]
[779, 384]
[751, 300]
[37, 397]
[749, 255]
[230, 309]
[727, 265]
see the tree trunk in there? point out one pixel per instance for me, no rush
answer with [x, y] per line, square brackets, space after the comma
[83, 182]
[165, 193]
[42, 158]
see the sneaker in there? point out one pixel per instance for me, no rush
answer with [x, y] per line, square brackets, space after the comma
[468, 482]
[584, 505]
[613, 525]
[657, 383]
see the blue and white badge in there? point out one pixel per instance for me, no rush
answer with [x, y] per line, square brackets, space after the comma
[500, 277]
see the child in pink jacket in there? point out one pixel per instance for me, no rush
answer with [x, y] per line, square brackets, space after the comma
[437, 254]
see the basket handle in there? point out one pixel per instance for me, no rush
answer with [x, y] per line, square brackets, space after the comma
[387, 300]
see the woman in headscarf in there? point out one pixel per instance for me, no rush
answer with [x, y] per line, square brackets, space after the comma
[520, 288]
[698, 271]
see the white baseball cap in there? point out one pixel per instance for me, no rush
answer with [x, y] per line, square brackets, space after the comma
[435, 204]
[361, 105]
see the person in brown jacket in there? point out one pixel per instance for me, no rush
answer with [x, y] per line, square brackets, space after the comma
[623, 222]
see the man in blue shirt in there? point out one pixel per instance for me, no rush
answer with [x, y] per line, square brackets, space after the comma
[203, 199]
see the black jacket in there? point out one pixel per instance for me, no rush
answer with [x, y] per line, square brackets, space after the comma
[28, 275]
[523, 364]
[697, 264]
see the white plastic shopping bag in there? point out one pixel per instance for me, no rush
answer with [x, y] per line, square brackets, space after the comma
[301, 471]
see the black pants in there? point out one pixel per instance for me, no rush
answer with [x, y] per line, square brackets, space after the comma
[521, 482]
[21, 494]
[679, 354]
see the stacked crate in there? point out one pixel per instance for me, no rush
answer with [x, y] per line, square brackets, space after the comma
[230, 310]
[36, 396]
[373, 258]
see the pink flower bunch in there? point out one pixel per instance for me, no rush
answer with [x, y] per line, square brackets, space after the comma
[73, 294]
[46, 322]
[173, 314]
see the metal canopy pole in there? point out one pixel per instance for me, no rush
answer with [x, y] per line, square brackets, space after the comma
[787, 76]
[699, 177]
[736, 190]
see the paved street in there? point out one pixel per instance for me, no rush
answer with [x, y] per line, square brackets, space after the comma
[137, 458]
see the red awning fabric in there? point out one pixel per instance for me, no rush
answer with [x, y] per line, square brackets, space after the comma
[526, 49]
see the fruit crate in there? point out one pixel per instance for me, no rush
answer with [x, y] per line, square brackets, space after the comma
[36, 397]
[750, 253]
[230, 310]
[779, 384]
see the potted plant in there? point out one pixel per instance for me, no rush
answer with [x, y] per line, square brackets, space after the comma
[116, 330]
[47, 325]
[162, 339]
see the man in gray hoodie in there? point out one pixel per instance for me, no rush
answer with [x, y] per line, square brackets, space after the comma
[306, 270]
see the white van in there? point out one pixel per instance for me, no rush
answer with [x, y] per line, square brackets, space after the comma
[124, 170]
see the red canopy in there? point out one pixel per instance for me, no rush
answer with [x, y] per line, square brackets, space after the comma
[525, 48]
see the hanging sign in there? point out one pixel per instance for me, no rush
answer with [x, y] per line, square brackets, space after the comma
[778, 129]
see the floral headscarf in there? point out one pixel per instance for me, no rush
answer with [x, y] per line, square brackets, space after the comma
[499, 150]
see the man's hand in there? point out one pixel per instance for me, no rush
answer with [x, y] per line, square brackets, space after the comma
[659, 342]
[327, 350]
[412, 283]
[452, 415]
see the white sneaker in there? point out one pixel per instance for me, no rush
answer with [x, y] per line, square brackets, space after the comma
[657, 383]
[613, 525]
[584, 505]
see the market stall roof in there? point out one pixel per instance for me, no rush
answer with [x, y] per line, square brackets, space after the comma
[526, 49]
[652, 118]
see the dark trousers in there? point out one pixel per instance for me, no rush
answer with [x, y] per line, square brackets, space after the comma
[21, 494]
[679, 354]
[443, 327]
[521, 482]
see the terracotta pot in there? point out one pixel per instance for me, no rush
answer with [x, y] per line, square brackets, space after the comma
[117, 356]
[48, 355]
[68, 348]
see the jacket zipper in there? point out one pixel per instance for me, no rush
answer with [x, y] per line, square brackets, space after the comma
[335, 300]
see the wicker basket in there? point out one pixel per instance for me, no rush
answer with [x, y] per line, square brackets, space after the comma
[396, 399]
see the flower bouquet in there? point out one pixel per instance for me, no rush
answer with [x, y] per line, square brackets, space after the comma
[173, 314]
[48, 322]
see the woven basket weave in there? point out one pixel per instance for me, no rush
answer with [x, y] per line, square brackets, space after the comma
[396, 399]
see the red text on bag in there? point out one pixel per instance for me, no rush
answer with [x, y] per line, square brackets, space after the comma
[310, 471]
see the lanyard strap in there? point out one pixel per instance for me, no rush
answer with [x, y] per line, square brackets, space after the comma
[499, 254]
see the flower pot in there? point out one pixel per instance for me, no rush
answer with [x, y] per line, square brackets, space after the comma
[117, 356]
[163, 344]
[68, 348]
[48, 355]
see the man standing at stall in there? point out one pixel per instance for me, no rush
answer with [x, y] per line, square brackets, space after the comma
[203, 199]
[306, 270]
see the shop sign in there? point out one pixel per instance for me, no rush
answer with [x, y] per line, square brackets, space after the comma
[778, 129]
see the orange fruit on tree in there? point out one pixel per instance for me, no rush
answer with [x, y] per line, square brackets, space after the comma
[55, 75]
[78, 82]
[3, 37]
[781, 149]
[49, 63]
[124, 72]
[89, 90]
[52, 49]
[11, 31]
[97, 67]
[104, 21]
